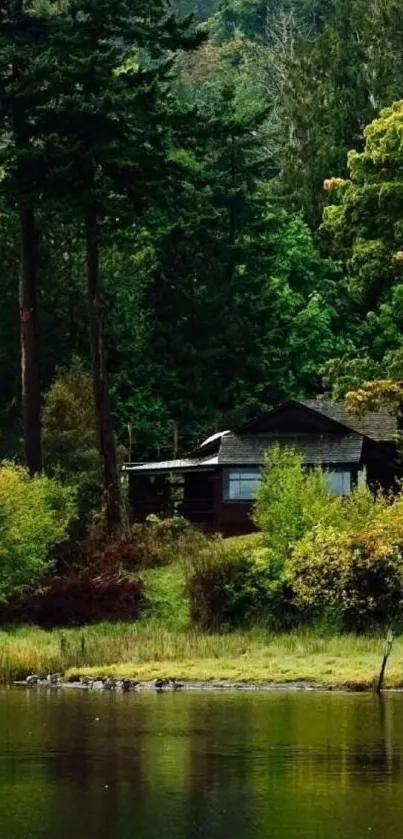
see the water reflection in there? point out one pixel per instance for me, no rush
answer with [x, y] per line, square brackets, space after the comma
[244, 766]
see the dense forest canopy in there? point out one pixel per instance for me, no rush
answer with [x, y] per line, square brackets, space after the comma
[184, 150]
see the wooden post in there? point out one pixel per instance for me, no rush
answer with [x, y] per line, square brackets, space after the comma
[386, 653]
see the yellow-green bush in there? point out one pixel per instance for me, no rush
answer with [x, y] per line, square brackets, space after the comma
[341, 557]
[354, 575]
[290, 500]
[35, 514]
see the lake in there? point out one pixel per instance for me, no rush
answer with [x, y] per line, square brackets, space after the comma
[277, 765]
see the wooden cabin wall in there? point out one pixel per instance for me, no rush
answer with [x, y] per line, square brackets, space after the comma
[198, 498]
[149, 495]
[233, 518]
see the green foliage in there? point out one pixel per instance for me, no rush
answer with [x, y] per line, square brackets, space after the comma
[25, 57]
[365, 227]
[191, 233]
[289, 501]
[167, 596]
[70, 443]
[9, 345]
[35, 515]
[348, 566]
[337, 559]
[236, 582]
[317, 80]
[226, 588]
[355, 575]
[163, 541]
[204, 166]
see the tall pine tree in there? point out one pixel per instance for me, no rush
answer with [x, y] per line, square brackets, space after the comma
[24, 69]
[111, 132]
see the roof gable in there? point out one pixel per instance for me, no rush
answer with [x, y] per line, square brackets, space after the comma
[293, 417]
[377, 425]
[322, 417]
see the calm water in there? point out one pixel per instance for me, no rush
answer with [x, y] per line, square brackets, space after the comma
[242, 766]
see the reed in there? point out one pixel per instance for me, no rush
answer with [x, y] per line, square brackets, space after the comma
[149, 649]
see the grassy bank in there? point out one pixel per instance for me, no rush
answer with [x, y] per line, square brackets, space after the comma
[150, 650]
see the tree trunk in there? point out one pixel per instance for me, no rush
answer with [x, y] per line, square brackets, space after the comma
[106, 439]
[30, 379]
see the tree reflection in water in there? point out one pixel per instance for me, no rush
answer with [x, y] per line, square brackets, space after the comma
[244, 766]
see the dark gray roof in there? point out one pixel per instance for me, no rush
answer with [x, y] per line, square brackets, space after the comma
[325, 448]
[378, 425]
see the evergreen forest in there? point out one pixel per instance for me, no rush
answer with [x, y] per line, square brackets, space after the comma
[200, 216]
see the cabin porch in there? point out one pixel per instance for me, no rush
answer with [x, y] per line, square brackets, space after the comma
[189, 494]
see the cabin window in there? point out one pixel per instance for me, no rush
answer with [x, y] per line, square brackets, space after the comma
[338, 481]
[240, 483]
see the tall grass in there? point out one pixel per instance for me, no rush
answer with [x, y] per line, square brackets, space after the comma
[147, 650]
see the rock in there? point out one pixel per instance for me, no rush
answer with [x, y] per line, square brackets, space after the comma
[53, 678]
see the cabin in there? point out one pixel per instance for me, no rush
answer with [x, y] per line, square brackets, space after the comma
[214, 486]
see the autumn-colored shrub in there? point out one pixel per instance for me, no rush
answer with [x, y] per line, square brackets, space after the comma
[338, 558]
[77, 598]
[114, 556]
[155, 543]
[356, 577]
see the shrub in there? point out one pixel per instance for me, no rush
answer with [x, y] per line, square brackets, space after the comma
[355, 577]
[290, 500]
[162, 541]
[231, 588]
[70, 442]
[77, 598]
[167, 597]
[114, 556]
[359, 509]
[317, 547]
[224, 594]
[69, 426]
[35, 514]
[69, 436]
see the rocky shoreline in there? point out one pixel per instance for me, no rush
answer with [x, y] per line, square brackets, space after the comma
[55, 681]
